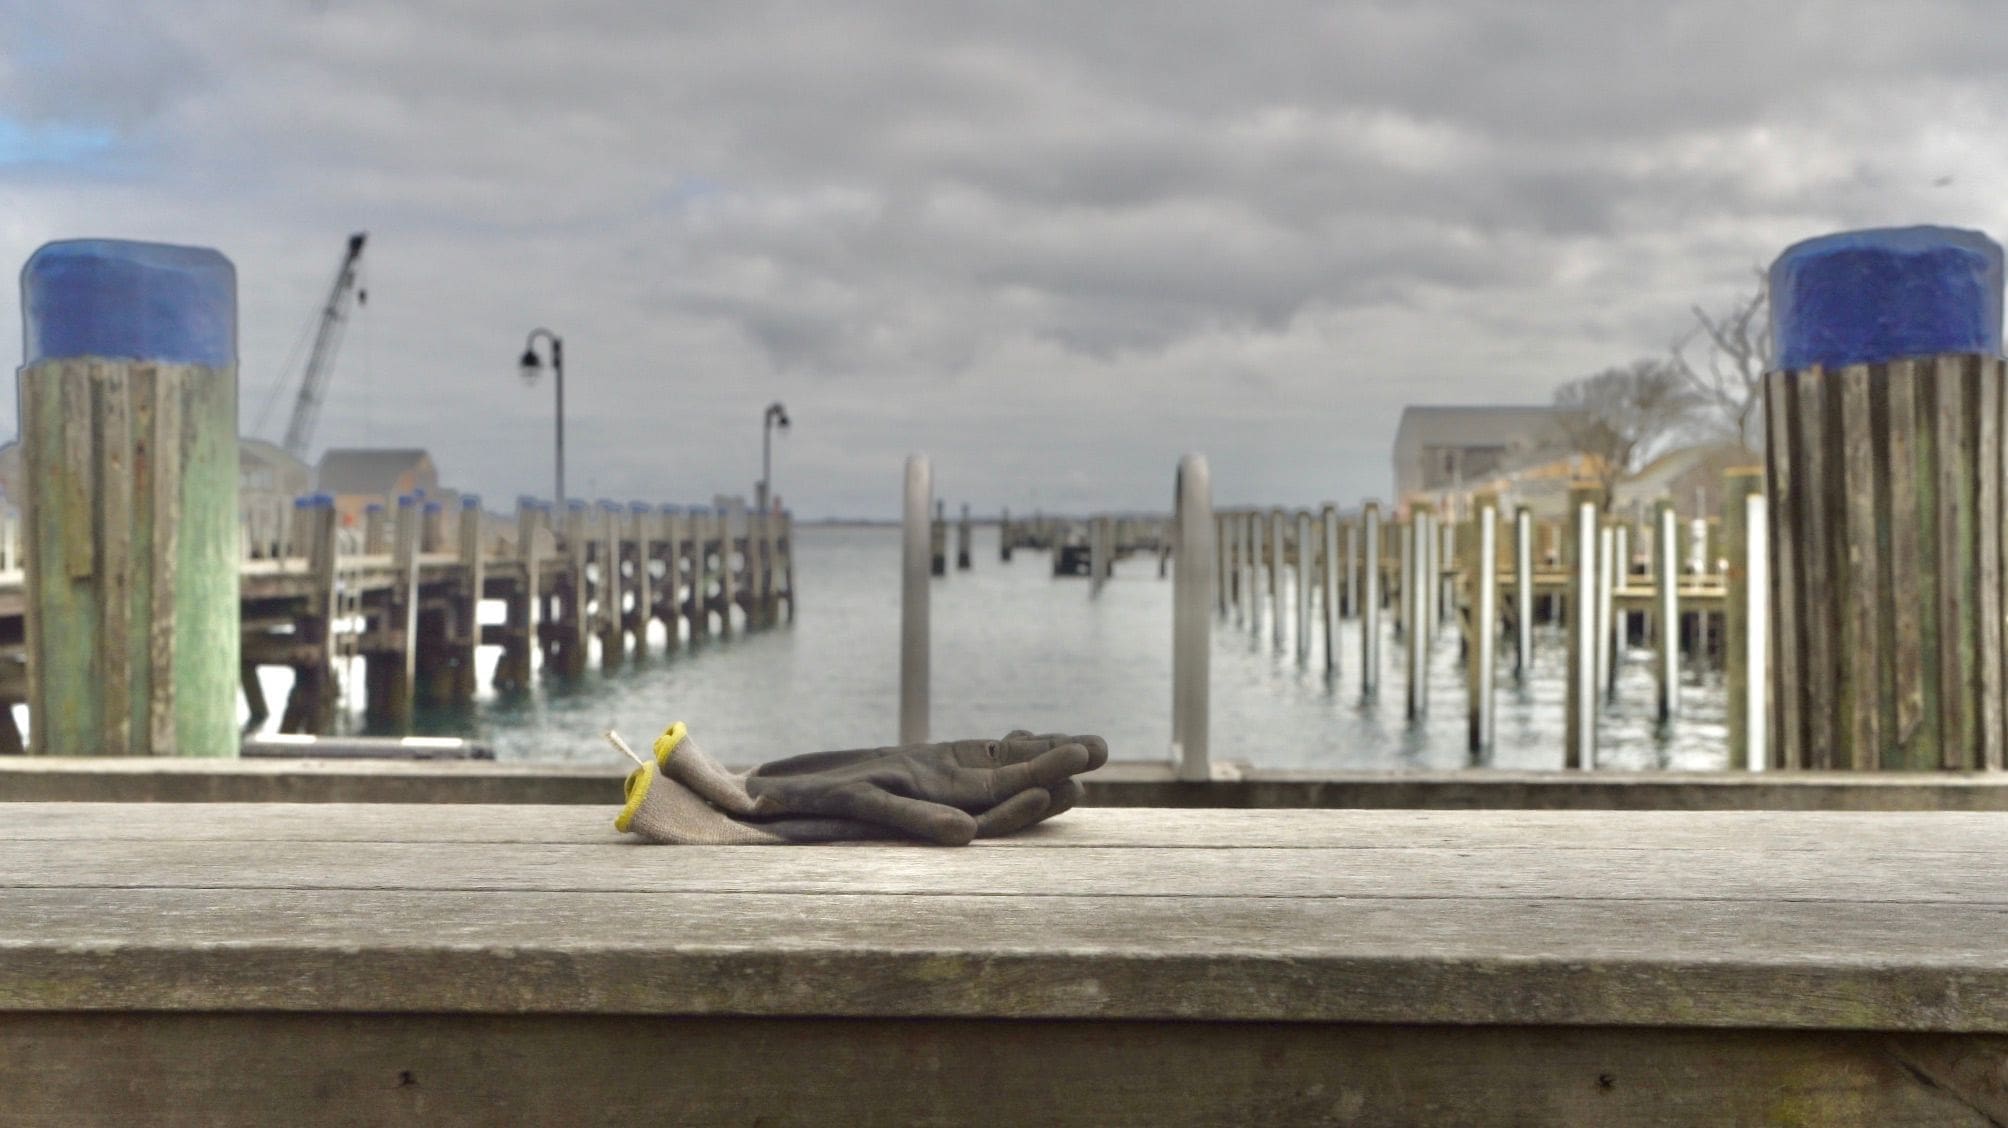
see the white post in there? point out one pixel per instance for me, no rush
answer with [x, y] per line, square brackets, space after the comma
[917, 563]
[1757, 617]
[1666, 593]
[1255, 541]
[1223, 563]
[1581, 734]
[1192, 630]
[1484, 625]
[1416, 609]
[1606, 664]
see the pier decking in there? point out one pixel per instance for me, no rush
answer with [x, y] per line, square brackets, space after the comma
[240, 963]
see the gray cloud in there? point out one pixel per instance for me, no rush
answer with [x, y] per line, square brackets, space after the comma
[1057, 246]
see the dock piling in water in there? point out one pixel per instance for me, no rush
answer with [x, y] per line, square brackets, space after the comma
[1192, 629]
[917, 565]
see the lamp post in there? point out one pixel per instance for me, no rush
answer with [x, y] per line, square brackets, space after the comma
[776, 414]
[531, 367]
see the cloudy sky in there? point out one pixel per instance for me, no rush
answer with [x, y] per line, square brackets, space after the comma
[1055, 246]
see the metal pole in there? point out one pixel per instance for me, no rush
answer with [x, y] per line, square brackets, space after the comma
[1223, 563]
[1192, 629]
[1351, 607]
[1523, 594]
[1666, 631]
[1484, 626]
[917, 562]
[1581, 734]
[1756, 654]
[1255, 541]
[1370, 602]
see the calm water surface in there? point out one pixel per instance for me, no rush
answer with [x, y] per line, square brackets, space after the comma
[1015, 647]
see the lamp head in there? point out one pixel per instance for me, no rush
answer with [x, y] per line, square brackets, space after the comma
[531, 366]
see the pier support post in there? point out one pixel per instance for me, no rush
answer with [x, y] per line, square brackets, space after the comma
[962, 562]
[128, 422]
[1885, 475]
[700, 572]
[729, 560]
[1223, 564]
[310, 706]
[468, 532]
[1307, 553]
[1328, 525]
[672, 577]
[1580, 733]
[1417, 617]
[937, 539]
[1350, 607]
[1666, 601]
[611, 616]
[1484, 623]
[1523, 595]
[1370, 599]
[643, 525]
[1743, 625]
[917, 565]
[1257, 543]
[574, 619]
[1192, 630]
[1276, 549]
[788, 559]
[392, 662]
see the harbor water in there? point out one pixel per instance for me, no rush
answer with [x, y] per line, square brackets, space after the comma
[1016, 647]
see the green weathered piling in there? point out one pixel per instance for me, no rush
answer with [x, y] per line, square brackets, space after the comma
[128, 417]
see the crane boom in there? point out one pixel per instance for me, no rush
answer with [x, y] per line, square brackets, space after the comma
[314, 381]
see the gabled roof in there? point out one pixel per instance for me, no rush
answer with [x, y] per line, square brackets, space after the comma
[364, 471]
[1461, 423]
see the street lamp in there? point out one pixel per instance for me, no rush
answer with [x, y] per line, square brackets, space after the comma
[776, 414]
[532, 366]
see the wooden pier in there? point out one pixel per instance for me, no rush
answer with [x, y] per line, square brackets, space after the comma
[404, 594]
[439, 964]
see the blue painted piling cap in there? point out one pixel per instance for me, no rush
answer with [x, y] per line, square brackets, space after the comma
[610, 506]
[129, 301]
[434, 506]
[700, 511]
[407, 501]
[577, 504]
[373, 507]
[470, 501]
[304, 501]
[639, 507]
[672, 509]
[1862, 297]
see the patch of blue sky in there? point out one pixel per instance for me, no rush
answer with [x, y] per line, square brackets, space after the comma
[53, 143]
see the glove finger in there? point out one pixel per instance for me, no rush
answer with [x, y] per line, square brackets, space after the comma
[1066, 795]
[1015, 813]
[1021, 746]
[1043, 770]
[933, 822]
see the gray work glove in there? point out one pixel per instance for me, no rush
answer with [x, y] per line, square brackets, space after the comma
[947, 793]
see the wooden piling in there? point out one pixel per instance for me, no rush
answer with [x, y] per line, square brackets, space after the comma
[466, 617]
[1523, 595]
[1306, 559]
[962, 540]
[1275, 563]
[575, 623]
[391, 661]
[310, 705]
[700, 572]
[1666, 615]
[131, 527]
[1328, 601]
[376, 533]
[1370, 601]
[609, 609]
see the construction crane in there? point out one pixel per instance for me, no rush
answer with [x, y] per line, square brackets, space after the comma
[314, 381]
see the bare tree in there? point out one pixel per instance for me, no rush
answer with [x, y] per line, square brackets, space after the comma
[1620, 415]
[1729, 380]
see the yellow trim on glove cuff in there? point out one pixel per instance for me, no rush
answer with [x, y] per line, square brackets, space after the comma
[637, 790]
[666, 744]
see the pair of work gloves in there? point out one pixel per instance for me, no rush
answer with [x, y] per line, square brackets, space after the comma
[947, 793]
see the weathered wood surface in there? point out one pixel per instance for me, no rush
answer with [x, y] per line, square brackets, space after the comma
[454, 965]
[204, 1069]
[156, 780]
